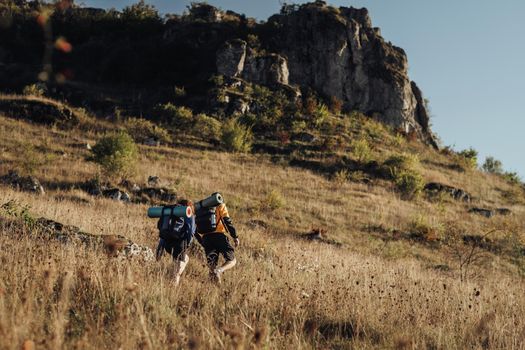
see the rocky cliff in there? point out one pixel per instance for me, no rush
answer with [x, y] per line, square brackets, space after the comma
[338, 53]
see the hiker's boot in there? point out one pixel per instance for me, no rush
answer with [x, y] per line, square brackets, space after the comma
[216, 275]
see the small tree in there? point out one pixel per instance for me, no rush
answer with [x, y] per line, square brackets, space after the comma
[141, 11]
[492, 166]
[469, 157]
[207, 127]
[236, 137]
[116, 154]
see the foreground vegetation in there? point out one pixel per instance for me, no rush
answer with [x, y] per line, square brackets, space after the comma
[392, 271]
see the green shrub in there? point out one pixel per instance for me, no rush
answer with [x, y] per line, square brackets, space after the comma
[396, 164]
[468, 159]
[207, 127]
[273, 201]
[141, 11]
[374, 129]
[358, 176]
[269, 106]
[403, 169]
[142, 130]
[512, 177]
[236, 137]
[116, 154]
[410, 184]
[492, 166]
[320, 115]
[299, 126]
[361, 150]
[178, 116]
[341, 176]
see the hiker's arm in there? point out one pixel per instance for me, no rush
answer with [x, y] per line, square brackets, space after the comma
[227, 221]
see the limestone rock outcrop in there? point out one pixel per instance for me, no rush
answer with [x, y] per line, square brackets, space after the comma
[235, 59]
[338, 53]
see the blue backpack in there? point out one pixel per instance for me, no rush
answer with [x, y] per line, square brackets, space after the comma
[175, 227]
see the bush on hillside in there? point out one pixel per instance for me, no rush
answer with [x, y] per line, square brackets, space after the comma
[178, 116]
[116, 154]
[396, 164]
[236, 137]
[143, 130]
[410, 184]
[403, 169]
[274, 200]
[468, 159]
[492, 166]
[207, 127]
[141, 11]
[361, 150]
[512, 177]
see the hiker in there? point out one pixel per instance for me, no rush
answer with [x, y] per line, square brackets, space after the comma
[212, 225]
[176, 235]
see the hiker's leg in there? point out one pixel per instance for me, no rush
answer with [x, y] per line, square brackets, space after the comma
[180, 265]
[228, 264]
[180, 257]
[229, 255]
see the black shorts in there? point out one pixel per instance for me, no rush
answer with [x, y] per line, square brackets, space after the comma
[215, 244]
[177, 248]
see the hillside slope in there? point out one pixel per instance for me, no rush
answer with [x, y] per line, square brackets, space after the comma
[389, 272]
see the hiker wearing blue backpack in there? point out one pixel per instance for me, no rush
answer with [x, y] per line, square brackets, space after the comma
[176, 234]
[212, 225]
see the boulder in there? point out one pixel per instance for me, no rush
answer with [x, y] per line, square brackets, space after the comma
[116, 194]
[27, 183]
[95, 188]
[153, 181]
[456, 193]
[488, 213]
[152, 142]
[115, 245]
[154, 195]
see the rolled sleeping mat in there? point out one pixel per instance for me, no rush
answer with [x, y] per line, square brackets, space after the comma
[212, 201]
[180, 211]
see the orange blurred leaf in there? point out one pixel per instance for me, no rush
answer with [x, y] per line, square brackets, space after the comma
[42, 18]
[63, 45]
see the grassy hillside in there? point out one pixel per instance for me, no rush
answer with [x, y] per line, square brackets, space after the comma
[391, 272]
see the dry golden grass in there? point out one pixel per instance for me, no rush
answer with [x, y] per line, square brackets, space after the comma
[376, 290]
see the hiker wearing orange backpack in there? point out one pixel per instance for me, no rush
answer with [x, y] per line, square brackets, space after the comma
[213, 223]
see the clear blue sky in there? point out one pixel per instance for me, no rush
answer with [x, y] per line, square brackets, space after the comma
[467, 56]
